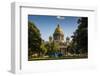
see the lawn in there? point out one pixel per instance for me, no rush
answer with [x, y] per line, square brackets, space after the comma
[58, 58]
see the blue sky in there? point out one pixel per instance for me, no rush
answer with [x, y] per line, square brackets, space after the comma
[47, 24]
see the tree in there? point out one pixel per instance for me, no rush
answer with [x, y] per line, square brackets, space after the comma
[54, 46]
[80, 37]
[43, 48]
[34, 38]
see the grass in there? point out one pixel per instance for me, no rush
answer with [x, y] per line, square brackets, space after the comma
[57, 58]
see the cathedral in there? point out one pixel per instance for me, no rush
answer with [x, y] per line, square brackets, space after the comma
[58, 37]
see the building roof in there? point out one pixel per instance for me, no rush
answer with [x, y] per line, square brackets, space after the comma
[58, 30]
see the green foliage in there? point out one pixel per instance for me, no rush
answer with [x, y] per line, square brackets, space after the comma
[54, 46]
[48, 46]
[80, 37]
[34, 38]
[43, 48]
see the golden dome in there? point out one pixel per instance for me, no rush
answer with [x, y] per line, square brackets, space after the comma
[58, 30]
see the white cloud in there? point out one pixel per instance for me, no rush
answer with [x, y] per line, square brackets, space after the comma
[60, 17]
